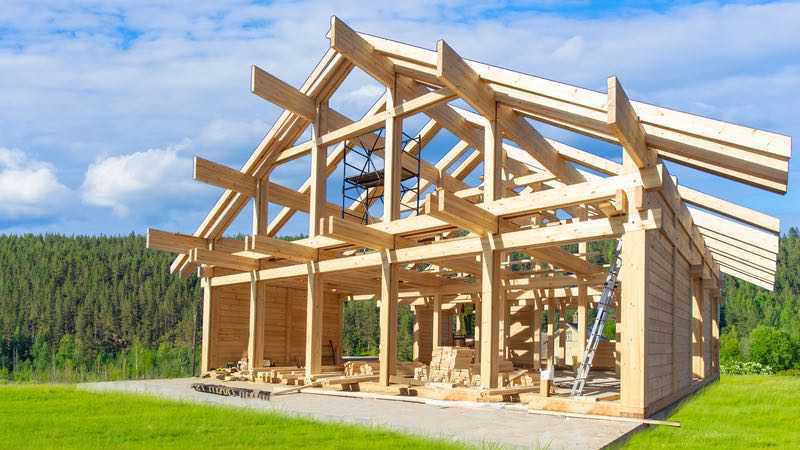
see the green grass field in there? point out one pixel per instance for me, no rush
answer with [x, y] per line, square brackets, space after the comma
[738, 412]
[41, 416]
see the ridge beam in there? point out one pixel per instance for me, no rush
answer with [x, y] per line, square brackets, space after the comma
[624, 123]
[281, 248]
[217, 258]
[274, 90]
[356, 234]
[456, 211]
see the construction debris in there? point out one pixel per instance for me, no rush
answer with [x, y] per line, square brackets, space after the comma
[231, 391]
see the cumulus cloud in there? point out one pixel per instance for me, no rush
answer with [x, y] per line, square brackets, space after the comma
[140, 180]
[126, 76]
[28, 188]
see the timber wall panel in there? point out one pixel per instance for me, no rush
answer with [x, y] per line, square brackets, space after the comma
[423, 333]
[231, 310]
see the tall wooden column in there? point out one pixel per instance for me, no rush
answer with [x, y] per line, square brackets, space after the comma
[207, 345]
[317, 200]
[551, 324]
[255, 340]
[633, 301]
[490, 259]
[583, 300]
[698, 364]
[393, 153]
[477, 335]
[436, 327]
[536, 334]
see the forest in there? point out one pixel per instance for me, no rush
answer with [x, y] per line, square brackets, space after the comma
[77, 308]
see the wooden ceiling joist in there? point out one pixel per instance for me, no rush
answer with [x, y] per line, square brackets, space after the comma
[223, 259]
[460, 213]
[280, 248]
[356, 234]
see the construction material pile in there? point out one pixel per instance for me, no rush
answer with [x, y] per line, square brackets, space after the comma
[353, 368]
[452, 365]
[228, 374]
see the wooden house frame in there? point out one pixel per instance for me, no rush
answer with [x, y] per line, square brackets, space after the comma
[283, 300]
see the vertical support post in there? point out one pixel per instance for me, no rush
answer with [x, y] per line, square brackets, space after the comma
[393, 153]
[314, 303]
[255, 340]
[633, 302]
[207, 346]
[314, 285]
[490, 259]
[698, 365]
[477, 337]
[707, 332]
[551, 323]
[536, 331]
[490, 314]
[715, 332]
[583, 300]
[436, 331]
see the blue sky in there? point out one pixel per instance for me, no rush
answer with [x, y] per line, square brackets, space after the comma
[104, 104]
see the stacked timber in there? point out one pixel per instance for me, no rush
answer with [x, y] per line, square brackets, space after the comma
[352, 368]
[228, 374]
[448, 365]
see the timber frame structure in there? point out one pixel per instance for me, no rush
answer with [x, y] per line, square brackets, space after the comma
[282, 301]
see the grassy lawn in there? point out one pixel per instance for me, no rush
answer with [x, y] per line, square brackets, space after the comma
[42, 416]
[737, 412]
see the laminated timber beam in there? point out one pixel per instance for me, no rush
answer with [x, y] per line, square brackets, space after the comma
[222, 259]
[751, 156]
[183, 243]
[729, 209]
[538, 238]
[356, 234]
[328, 74]
[280, 248]
[274, 90]
[460, 213]
[624, 123]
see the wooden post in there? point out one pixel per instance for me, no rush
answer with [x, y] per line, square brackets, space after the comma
[536, 331]
[715, 332]
[698, 365]
[551, 323]
[255, 341]
[207, 346]
[436, 331]
[633, 371]
[583, 298]
[393, 153]
[314, 286]
[707, 332]
[477, 337]
[490, 315]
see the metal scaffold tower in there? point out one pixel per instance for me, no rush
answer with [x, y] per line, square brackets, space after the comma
[362, 179]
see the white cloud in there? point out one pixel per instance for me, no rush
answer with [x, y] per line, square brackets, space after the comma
[141, 180]
[28, 188]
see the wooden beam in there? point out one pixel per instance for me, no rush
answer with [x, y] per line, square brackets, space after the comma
[314, 309]
[732, 210]
[347, 42]
[535, 238]
[224, 177]
[756, 237]
[255, 337]
[281, 248]
[461, 213]
[516, 128]
[222, 259]
[491, 302]
[274, 90]
[624, 123]
[318, 179]
[356, 234]
[458, 76]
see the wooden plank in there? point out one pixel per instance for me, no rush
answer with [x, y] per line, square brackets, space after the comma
[729, 209]
[281, 248]
[347, 42]
[274, 90]
[458, 76]
[356, 234]
[224, 177]
[459, 212]
[624, 123]
[222, 259]
[535, 238]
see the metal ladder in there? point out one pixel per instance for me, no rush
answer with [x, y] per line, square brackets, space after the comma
[599, 322]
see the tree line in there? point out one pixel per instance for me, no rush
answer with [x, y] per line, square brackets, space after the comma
[76, 308]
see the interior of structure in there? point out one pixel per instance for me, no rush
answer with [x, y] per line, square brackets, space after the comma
[505, 276]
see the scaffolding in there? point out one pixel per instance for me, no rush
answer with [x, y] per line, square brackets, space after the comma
[362, 178]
